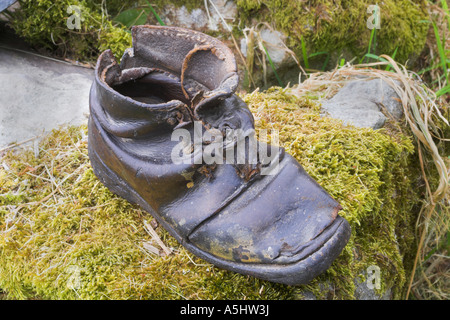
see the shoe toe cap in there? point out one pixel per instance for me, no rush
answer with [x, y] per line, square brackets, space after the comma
[278, 220]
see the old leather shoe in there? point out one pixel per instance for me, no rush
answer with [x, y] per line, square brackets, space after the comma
[280, 226]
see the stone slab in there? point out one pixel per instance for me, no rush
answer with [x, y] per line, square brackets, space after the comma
[364, 103]
[38, 94]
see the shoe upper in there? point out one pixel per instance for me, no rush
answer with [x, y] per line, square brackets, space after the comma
[171, 79]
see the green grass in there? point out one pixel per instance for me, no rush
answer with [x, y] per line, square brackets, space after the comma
[134, 17]
[442, 61]
[327, 58]
[272, 66]
[442, 54]
[304, 52]
[389, 66]
[446, 11]
[370, 46]
[444, 91]
[155, 14]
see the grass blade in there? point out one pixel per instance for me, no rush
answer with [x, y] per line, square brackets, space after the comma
[388, 67]
[428, 69]
[442, 56]
[447, 12]
[444, 90]
[131, 17]
[375, 57]
[305, 54]
[155, 14]
[272, 66]
[372, 40]
[317, 54]
[326, 59]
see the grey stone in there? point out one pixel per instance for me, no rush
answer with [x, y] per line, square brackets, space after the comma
[274, 43]
[181, 17]
[227, 9]
[363, 102]
[38, 94]
[5, 4]
[363, 291]
[308, 295]
[198, 18]
[324, 289]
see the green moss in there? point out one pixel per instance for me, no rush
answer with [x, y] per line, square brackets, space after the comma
[86, 243]
[43, 24]
[115, 39]
[189, 4]
[248, 5]
[81, 241]
[371, 173]
[338, 26]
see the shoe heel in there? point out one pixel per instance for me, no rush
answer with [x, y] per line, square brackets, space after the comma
[110, 179]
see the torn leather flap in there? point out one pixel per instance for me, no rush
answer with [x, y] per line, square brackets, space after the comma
[134, 102]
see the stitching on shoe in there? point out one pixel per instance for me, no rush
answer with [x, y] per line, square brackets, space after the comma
[192, 38]
[185, 64]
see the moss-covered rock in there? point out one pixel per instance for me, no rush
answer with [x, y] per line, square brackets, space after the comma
[43, 24]
[63, 235]
[336, 27]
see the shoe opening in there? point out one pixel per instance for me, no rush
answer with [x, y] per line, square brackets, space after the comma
[155, 87]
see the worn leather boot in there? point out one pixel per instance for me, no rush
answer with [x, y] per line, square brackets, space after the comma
[279, 226]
